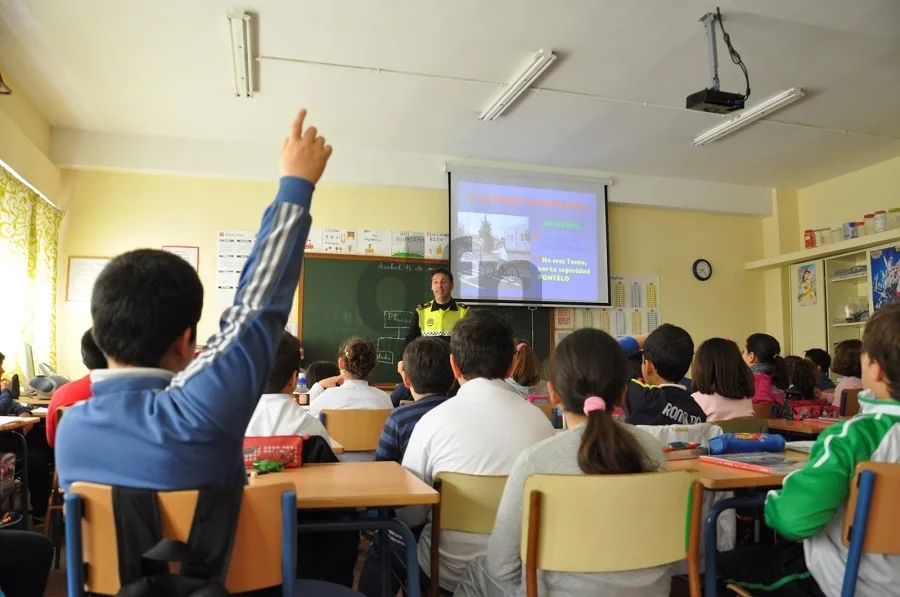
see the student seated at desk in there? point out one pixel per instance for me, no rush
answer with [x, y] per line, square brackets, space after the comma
[770, 378]
[526, 373]
[801, 378]
[660, 398]
[276, 413]
[428, 375]
[320, 370]
[350, 390]
[811, 505]
[588, 379]
[161, 419]
[722, 380]
[40, 455]
[480, 431]
[847, 365]
[821, 360]
[79, 390]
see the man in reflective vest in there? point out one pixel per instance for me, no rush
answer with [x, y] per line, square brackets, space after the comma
[438, 316]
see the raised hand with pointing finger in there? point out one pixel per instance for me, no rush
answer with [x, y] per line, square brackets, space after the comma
[304, 153]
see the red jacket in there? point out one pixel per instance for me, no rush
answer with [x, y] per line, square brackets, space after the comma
[69, 394]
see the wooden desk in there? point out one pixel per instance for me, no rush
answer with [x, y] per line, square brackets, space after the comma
[715, 477]
[806, 426]
[34, 401]
[353, 485]
[335, 446]
[18, 423]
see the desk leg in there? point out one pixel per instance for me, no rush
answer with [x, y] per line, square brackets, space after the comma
[25, 496]
[386, 557]
[382, 525]
[711, 535]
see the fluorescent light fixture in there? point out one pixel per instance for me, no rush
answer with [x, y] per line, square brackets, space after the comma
[241, 48]
[541, 62]
[749, 116]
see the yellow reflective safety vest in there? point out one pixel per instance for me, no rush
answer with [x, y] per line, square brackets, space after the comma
[435, 321]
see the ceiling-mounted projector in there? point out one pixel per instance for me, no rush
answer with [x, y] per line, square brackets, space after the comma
[713, 99]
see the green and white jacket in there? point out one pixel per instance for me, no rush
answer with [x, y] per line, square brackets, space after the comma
[811, 504]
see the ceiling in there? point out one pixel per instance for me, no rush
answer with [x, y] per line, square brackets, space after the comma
[411, 77]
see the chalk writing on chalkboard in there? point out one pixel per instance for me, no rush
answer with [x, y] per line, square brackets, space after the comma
[389, 347]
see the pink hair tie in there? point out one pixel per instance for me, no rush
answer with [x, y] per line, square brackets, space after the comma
[520, 346]
[594, 403]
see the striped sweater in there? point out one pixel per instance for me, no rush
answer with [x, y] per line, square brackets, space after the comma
[146, 428]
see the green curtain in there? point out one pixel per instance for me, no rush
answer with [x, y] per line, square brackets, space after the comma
[29, 238]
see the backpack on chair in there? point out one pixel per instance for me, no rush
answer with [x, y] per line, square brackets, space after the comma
[145, 555]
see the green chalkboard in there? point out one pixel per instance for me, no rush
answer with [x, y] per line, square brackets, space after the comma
[376, 298]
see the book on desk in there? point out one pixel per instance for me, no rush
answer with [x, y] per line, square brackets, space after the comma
[760, 462]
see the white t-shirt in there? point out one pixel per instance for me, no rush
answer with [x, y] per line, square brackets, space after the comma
[352, 394]
[277, 414]
[481, 431]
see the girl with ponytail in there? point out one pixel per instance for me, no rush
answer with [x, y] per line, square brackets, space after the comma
[525, 377]
[588, 379]
[770, 374]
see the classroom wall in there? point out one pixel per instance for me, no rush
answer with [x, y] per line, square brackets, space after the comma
[108, 213]
[25, 142]
[849, 197]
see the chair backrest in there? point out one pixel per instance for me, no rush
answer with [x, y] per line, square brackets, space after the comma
[850, 403]
[883, 517]
[744, 425]
[563, 529]
[763, 411]
[469, 502]
[358, 430]
[256, 559]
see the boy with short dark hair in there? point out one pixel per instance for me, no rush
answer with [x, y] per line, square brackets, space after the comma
[428, 375]
[661, 398]
[277, 414]
[822, 361]
[79, 390]
[812, 504]
[481, 431]
[161, 419]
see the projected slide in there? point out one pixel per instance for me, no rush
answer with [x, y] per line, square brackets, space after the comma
[513, 243]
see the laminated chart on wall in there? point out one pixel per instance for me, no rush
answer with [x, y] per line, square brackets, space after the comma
[232, 250]
[635, 310]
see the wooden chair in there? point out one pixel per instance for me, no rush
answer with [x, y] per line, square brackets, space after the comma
[468, 503]
[264, 553]
[54, 520]
[763, 411]
[564, 533]
[358, 430]
[744, 425]
[850, 403]
[870, 521]
[551, 413]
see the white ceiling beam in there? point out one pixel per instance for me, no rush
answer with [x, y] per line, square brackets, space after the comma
[258, 161]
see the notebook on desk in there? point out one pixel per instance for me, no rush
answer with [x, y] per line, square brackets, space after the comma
[760, 462]
[800, 446]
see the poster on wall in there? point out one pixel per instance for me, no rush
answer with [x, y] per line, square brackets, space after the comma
[375, 242]
[408, 244]
[436, 245]
[885, 268]
[806, 285]
[189, 254]
[340, 241]
[232, 250]
[83, 272]
[635, 310]
[314, 241]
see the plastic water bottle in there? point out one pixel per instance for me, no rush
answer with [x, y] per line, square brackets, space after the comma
[746, 442]
[301, 383]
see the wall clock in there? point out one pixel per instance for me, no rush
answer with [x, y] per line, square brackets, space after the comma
[702, 270]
